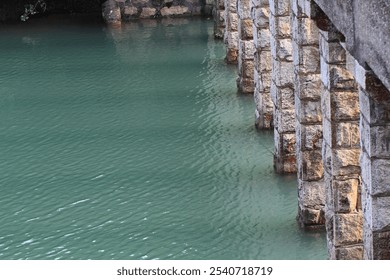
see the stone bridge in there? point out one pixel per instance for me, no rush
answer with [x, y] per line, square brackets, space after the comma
[320, 74]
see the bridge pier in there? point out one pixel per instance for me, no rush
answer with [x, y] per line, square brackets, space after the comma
[219, 18]
[263, 64]
[331, 116]
[341, 149]
[282, 86]
[231, 31]
[246, 50]
[307, 76]
[375, 162]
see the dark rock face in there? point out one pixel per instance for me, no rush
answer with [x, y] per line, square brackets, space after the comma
[11, 10]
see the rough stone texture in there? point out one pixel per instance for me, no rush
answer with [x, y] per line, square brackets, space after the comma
[219, 18]
[111, 12]
[231, 31]
[375, 163]
[307, 89]
[282, 86]
[246, 48]
[134, 9]
[340, 107]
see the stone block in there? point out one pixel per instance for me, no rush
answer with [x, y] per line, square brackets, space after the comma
[310, 165]
[280, 27]
[232, 40]
[308, 111]
[232, 22]
[306, 59]
[248, 69]
[374, 112]
[246, 49]
[345, 162]
[347, 135]
[265, 81]
[263, 61]
[264, 37]
[261, 18]
[130, 11]
[381, 245]
[344, 106]
[310, 217]
[231, 6]
[305, 31]
[279, 7]
[310, 137]
[281, 49]
[285, 121]
[349, 253]
[379, 207]
[346, 195]
[311, 194]
[348, 229]
[380, 178]
[333, 52]
[147, 12]
[283, 73]
[243, 9]
[308, 86]
[174, 11]
[246, 29]
[231, 55]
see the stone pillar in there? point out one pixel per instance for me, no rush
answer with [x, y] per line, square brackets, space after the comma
[231, 31]
[246, 49]
[282, 86]
[307, 75]
[375, 163]
[341, 150]
[111, 12]
[219, 18]
[262, 64]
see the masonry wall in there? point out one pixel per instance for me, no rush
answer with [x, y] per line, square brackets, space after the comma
[116, 11]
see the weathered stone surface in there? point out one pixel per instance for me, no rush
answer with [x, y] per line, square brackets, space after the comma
[311, 194]
[346, 195]
[279, 7]
[147, 12]
[310, 165]
[309, 137]
[174, 11]
[131, 11]
[349, 253]
[345, 162]
[344, 106]
[308, 61]
[348, 228]
[347, 135]
[280, 27]
[246, 29]
[308, 86]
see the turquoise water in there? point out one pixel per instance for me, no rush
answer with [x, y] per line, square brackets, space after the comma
[132, 143]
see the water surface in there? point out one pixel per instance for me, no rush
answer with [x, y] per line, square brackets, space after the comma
[132, 143]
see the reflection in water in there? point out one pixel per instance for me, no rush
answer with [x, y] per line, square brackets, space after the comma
[131, 143]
